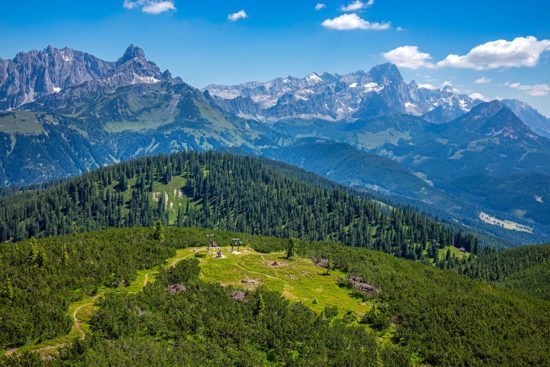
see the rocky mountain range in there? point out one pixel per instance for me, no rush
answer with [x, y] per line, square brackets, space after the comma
[67, 112]
[333, 97]
[34, 74]
[531, 117]
[381, 91]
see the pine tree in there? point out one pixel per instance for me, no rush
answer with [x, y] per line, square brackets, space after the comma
[158, 232]
[260, 305]
[41, 259]
[291, 247]
[74, 229]
[7, 289]
[32, 258]
[64, 255]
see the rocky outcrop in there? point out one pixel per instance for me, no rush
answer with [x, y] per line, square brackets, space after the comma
[34, 74]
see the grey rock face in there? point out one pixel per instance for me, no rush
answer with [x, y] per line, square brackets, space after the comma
[31, 75]
[531, 117]
[333, 97]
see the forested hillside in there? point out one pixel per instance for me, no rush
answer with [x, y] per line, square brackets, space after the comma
[525, 268]
[229, 192]
[419, 314]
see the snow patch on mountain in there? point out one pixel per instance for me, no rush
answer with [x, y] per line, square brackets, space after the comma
[337, 97]
[314, 78]
[140, 79]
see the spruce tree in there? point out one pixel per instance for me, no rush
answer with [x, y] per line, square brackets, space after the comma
[291, 247]
[158, 232]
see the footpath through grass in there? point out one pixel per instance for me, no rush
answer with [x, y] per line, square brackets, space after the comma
[81, 311]
[298, 280]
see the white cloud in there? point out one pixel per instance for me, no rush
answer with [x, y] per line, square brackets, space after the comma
[320, 6]
[483, 80]
[241, 14]
[150, 6]
[409, 57]
[521, 51]
[399, 29]
[357, 5]
[158, 8]
[479, 96]
[426, 86]
[130, 4]
[348, 22]
[536, 90]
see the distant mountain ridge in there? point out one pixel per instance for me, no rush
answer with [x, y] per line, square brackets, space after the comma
[539, 123]
[339, 97]
[442, 152]
[381, 91]
[34, 74]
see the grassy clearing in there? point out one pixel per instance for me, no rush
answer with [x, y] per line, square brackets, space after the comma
[454, 251]
[174, 197]
[506, 224]
[298, 280]
[172, 193]
[20, 122]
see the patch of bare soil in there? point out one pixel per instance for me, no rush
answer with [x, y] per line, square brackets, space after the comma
[176, 288]
[359, 284]
[239, 296]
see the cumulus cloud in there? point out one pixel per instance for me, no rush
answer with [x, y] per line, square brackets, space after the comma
[357, 5]
[320, 6]
[426, 86]
[483, 80]
[536, 90]
[348, 22]
[409, 57]
[479, 96]
[521, 51]
[150, 6]
[241, 14]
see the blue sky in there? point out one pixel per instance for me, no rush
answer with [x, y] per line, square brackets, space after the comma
[198, 41]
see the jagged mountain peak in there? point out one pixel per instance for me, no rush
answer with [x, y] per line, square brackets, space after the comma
[539, 123]
[385, 73]
[132, 52]
[486, 109]
[447, 89]
[32, 75]
[493, 119]
[337, 97]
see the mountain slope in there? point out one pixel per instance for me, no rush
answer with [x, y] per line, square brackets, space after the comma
[183, 303]
[89, 126]
[472, 162]
[492, 139]
[349, 166]
[223, 191]
[531, 117]
[526, 268]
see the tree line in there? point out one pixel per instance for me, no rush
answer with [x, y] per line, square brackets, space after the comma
[228, 192]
